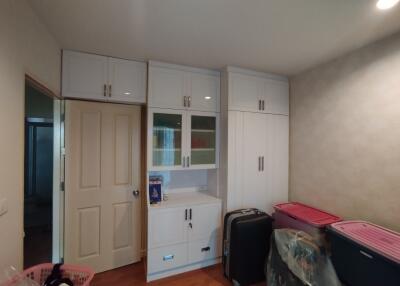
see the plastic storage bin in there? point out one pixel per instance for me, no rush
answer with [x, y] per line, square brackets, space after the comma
[79, 275]
[302, 217]
[365, 254]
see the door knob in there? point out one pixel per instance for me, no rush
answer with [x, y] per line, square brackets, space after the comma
[136, 193]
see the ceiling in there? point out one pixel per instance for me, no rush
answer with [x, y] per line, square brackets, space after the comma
[280, 36]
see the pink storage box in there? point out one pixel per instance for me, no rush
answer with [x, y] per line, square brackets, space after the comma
[365, 254]
[376, 238]
[302, 217]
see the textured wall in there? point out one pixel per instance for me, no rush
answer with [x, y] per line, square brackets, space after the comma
[345, 135]
[25, 47]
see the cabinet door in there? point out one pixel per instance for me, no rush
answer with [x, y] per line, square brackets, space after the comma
[84, 76]
[127, 81]
[276, 97]
[254, 194]
[246, 92]
[205, 221]
[203, 139]
[166, 88]
[166, 139]
[204, 92]
[277, 159]
[166, 227]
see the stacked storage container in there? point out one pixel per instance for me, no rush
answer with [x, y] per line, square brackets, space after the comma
[302, 217]
[365, 254]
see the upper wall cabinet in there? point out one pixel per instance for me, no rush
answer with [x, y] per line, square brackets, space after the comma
[257, 92]
[179, 87]
[100, 78]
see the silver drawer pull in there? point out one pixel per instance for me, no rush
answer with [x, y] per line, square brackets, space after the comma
[205, 249]
[366, 254]
[168, 257]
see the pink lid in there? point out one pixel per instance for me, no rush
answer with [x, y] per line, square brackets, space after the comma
[313, 216]
[381, 240]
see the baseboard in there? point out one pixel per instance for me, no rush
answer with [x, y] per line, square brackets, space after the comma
[186, 268]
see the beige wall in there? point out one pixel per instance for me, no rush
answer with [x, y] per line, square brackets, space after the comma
[345, 135]
[25, 47]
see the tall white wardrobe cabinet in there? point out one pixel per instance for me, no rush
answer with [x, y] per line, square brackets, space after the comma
[255, 130]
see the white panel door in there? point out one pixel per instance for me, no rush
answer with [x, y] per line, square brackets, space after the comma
[276, 97]
[277, 159]
[246, 92]
[84, 76]
[127, 81]
[102, 217]
[167, 87]
[254, 193]
[204, 222]
[166, 227]
[204, 92]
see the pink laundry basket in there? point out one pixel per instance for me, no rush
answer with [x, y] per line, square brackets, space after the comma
[79, 275]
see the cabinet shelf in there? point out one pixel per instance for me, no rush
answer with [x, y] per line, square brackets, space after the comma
[166, 149]
[203, 149]
[163, 129]
[203, 130]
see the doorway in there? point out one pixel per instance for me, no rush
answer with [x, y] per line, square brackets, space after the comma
[38, 190]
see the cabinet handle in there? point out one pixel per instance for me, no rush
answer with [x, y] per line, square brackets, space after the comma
[189, 101]
[187, 162]
[105, 90]
[259, 163]
[259, 104]
[262, 163]
[366, 254]
[205, 249]
[168, 257]
[184, 101]
[183, 161]
[186, 214]
[109, 90]
[263, 105]
[190, 214]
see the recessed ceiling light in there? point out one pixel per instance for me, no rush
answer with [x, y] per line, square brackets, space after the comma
[207, 97]
[127, 93]
[386, 4]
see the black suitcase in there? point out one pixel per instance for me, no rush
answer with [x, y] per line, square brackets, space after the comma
[247, 235]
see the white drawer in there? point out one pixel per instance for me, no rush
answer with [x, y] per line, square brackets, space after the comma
[204, 249]
[165, 258]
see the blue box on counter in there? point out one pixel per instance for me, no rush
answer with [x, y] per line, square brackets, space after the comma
[155, 194]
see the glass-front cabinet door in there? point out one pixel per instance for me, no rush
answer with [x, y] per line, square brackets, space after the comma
[167, 133]
[203, 139]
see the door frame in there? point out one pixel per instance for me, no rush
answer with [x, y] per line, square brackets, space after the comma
[58, 167]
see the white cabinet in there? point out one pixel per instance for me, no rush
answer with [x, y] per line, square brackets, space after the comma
[257, 176]
[182, 140]
[181, 236]
[254, 151]
[255, 131]
[257, 92]
[204, 92]
[166, 88]
[205, 221]
[93, 77]
[127, 81]
[162, 232]
[179, 87]
[84, 76]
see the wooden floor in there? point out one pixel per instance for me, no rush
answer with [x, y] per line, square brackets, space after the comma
[135, 275]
